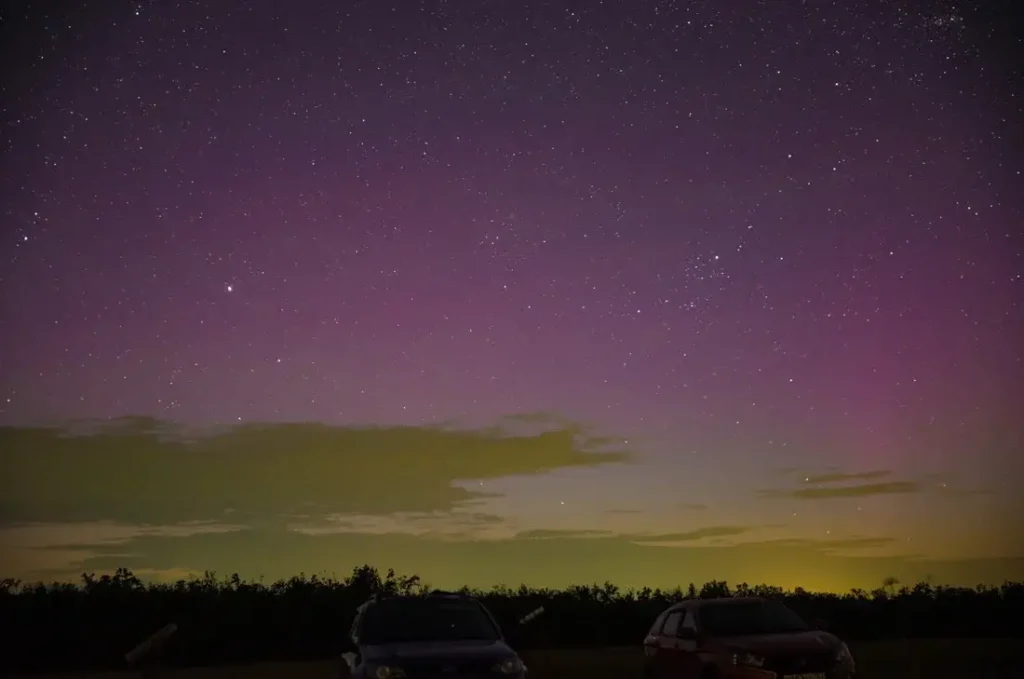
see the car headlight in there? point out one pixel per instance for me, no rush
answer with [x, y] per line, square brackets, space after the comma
[387, 672]
[510, 666]
[843, 655]
[747, 659]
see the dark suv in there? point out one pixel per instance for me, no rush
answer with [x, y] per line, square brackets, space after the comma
[436, 636]
[741, 638]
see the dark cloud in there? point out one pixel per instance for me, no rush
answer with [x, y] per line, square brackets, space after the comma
[461, 523]
[143, 471]
[861, 490]
[958, 492]
[840, 477]
[824, 486]
[686, 536]
[947, 484]
[830, 545]
[691, 535]
[551, 534]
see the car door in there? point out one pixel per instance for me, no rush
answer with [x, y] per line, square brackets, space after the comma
[350, 656]
[651, 645]
[666, 654]
[687, 651]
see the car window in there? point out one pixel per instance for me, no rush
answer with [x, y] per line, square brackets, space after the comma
[671, 627]
[753, 617]
[689, 622]
[659, 622]
[425, 619]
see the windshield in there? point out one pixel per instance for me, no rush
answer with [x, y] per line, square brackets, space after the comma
[747, 618]
[405, 620]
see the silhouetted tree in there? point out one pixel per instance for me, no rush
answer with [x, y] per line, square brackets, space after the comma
[93, 623]
[715, 589]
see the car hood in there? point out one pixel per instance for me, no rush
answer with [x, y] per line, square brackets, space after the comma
[419, 651]
[812, 641]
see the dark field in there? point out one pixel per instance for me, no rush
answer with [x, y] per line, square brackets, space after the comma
[920, 659]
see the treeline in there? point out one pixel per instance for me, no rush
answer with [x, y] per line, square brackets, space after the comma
[94, 623]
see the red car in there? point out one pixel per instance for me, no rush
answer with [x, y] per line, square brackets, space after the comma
[741, 638]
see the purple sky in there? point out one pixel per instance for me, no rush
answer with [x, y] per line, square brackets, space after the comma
[745, 237]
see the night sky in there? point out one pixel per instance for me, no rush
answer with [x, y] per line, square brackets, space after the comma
[647, 292]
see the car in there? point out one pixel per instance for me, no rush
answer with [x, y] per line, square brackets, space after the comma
[440, 635]
[741, 638]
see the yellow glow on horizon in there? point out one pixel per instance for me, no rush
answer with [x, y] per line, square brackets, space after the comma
[472, 507]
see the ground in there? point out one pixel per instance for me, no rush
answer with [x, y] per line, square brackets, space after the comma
[929, 659]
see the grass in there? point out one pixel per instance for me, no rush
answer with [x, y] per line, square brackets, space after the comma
[917, 659]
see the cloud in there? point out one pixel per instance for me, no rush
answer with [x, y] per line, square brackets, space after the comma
[840, 477]
[539, 421]
[144, 471]
[959, 492]
[45, 546]
[466, 525]
[946, 484]
[839, 544]
[551, 534]
[456, 524]
[861, 490]
[823, 486]
[91, 534]
[674, 539]
[661, 539]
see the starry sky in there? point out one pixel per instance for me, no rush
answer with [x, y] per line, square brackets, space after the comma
[508, 291]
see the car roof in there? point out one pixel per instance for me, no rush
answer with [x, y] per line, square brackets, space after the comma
[719, 601]
[435, 594]
[731, 601]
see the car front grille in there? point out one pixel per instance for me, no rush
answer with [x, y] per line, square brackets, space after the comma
[800, 664]
[452, 668]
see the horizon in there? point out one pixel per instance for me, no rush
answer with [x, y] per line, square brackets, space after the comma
[410, 584]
